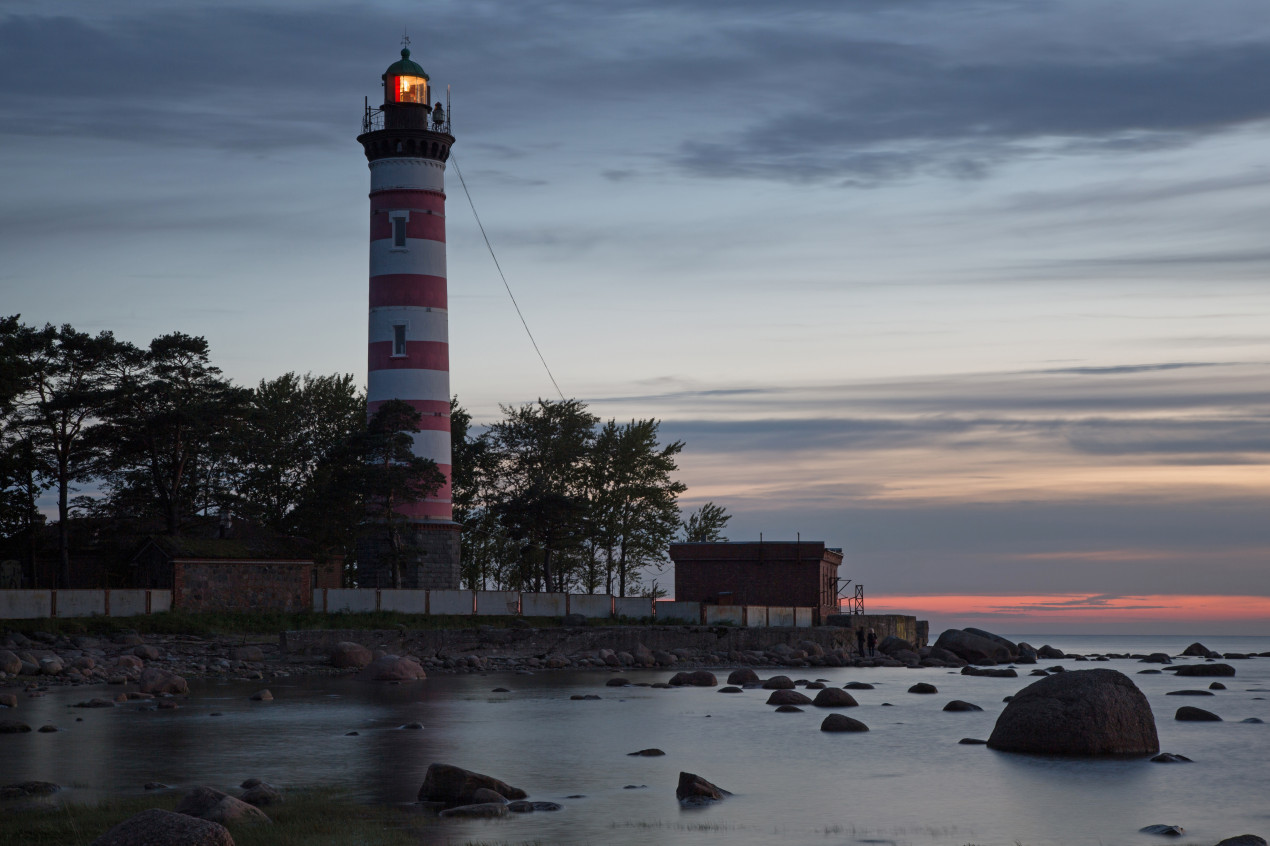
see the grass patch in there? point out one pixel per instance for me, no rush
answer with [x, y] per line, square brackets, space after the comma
[307, 818]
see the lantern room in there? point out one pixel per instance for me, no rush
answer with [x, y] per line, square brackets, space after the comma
[405, 82]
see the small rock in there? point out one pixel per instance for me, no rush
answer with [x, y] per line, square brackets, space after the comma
[779, 683]
[1166, 830]
[1188, 713]
[1256, 720]
[146, 652]
[972, 741]
[28, 788]
[477, 811]
[521, 806]
[500, 690]
[1205, 670]
[961, 705]
[788, 709]
[730, 689]
[578, 697]
[617, 681]
[1170, 758]
[646, 753]
[1243, 840]
[209, 804]
[1217, 686]
[743, 677]
[413, 726]
[47, 729]
[155, 785]
[262, 696]
[855, 685]
[1190, 693]
[832, 697]
[261, 794]
[693, 789]
[788, 697]
[923, 687]
[13, 727]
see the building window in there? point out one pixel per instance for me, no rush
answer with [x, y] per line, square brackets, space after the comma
[399, 232]
[399, 339]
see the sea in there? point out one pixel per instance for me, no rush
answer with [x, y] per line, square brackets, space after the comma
[906, 781]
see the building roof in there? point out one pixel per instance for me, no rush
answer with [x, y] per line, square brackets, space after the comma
[255, 547]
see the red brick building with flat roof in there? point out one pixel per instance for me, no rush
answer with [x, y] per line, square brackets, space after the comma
[802, 574]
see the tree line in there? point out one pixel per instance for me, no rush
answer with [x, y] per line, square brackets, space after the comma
[549, 497]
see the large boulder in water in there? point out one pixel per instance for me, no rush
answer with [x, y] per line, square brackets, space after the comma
[1205, 670]
[891, 644]
[1196, 650]
[346, 655]
[1010, 645]
[1084, 712]
[694, 790]
[164, 828]
[974, 648]
[457, 786]
[743, 676]
[696, 678]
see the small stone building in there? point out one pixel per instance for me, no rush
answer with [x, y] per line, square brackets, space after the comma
[802, 574]
[260, 573]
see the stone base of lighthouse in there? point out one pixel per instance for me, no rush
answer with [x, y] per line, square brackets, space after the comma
[432, 562]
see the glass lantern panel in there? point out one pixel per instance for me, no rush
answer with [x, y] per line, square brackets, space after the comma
[409, 89]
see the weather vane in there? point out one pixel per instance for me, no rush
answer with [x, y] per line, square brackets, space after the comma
[405, 38]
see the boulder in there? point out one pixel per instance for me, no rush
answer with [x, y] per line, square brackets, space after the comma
[146, 652]
[923, 687]
[1191, 714]
[1205, 670]
[891, 644]
[788, 697]
[1084, 712]
[1243, 840]
[392, 668]
[25, 789]
[779, 683]
[1190, 693]
[742, 677]
[261, 794]
[164, 828]
[961, 705]
[8, 700]
[13, 727]
[647, 753]
[788, 709]
[477, 811]
[974, 648]
[1009, 645]
[348, 655]
[855, 685]
[1217, 686]
[10, 663]
[154, 680]
[1050, 653]
[1171, 758]
[1196, 650]
[251, 654]
[696, 678]
[129, 662]
[972, 741]
[1156, 658]
[833, 697]
[457, 786]
[1027, 653]
[521, 806]
[1166, 830]
[481, 795]
[993, 673]
[207, 803]
[694, 790]
[841, 722]
[262, 696]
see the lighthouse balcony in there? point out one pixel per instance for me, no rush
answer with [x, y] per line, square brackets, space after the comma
[405, 116]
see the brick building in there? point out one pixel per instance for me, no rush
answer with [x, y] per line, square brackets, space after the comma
[233, 574]
[802, 574]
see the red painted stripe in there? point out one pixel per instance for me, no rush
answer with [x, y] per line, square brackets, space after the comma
[407, 289]
[420, 225]
[420, 355]
[433, 510]
[429, 421]
[399, 199]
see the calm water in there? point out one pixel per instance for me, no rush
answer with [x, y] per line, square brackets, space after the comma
[907, 781]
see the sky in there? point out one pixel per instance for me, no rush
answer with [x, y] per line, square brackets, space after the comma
[976, 291]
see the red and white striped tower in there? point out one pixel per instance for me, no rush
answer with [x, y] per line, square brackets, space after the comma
[407, 142]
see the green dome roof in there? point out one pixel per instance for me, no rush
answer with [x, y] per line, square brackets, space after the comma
[406, 67]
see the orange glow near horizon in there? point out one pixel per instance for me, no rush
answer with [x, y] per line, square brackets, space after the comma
[1079, 607]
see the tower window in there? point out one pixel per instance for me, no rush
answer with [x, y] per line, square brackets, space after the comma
[399, 232]
[399, 339]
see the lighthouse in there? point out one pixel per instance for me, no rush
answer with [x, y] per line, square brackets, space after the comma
[407, 142]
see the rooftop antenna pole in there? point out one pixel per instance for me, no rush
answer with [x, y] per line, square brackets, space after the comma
[448, 115]
[405, 37]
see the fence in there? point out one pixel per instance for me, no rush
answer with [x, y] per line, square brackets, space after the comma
[590, 605]
[39, 604]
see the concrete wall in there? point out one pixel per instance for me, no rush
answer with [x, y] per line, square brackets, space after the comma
[671, 610]
[755, 615]
[497, 602]
[451, 601]
[38, 604]
[803, 618]
[633, 607]
[725, 615]
[591, 605]
[543, 604]
[342, 600]
[81, 603]
[780, 617]
[402, 600]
